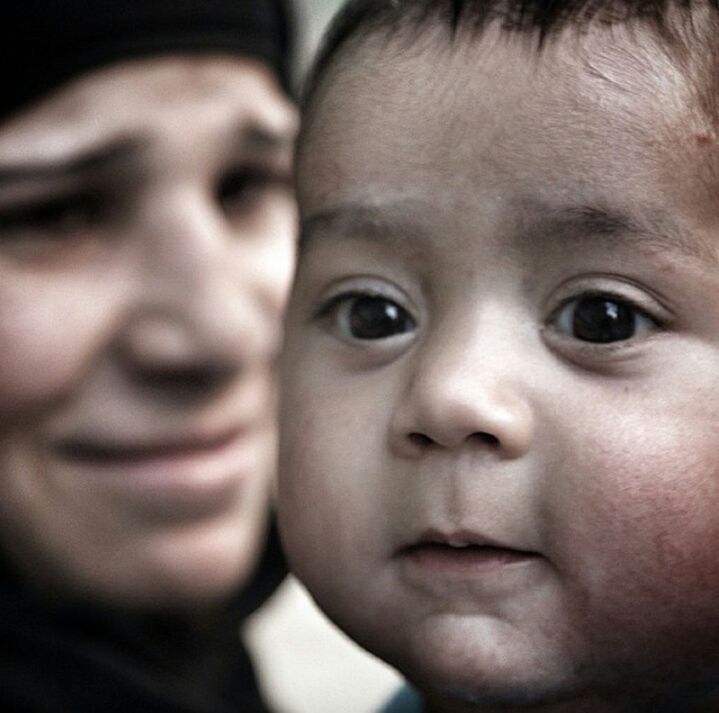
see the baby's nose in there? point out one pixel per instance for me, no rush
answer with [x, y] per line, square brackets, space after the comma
[464, 394]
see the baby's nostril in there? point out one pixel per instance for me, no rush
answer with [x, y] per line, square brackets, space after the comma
[486, 438]
[419, 439]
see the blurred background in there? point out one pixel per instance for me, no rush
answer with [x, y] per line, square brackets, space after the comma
[305, 664]
[312, 17]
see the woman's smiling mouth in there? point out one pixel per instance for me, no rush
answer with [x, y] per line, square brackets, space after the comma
[178, 477]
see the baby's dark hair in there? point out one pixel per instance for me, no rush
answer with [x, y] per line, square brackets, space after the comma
[687, 29]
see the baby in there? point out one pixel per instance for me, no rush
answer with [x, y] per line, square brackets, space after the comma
[500, 449]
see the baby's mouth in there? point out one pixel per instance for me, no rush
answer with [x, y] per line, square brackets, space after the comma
[437, 554]
[459, 551]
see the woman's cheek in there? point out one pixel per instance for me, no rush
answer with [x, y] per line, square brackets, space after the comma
[51, 333]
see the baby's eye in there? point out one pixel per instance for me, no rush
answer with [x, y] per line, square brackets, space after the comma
[602, 319]
[369, 317]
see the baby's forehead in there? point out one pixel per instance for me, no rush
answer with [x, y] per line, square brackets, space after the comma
[631, 60]
[673, 62]
[603, 118]
[580, 95]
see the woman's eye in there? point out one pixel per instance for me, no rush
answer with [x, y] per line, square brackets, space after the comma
[241, 189]
[602, 319]
[367, 317]
[59, 216]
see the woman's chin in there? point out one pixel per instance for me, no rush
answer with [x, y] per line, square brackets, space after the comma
[192, 570]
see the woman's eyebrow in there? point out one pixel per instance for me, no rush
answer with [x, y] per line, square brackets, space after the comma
[103, 156]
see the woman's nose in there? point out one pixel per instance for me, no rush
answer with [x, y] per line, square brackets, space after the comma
[462, 393]
[208, 299]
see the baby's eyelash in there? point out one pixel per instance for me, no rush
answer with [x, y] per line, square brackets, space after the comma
[609, 296]
[599, 323]
[325, 306]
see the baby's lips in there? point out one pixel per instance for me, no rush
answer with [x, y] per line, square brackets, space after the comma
[461, 539]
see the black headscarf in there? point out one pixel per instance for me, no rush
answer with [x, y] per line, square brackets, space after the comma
[44, 43]
[81, 658]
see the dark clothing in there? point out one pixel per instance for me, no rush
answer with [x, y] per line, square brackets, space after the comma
[45, 43]
[60, 658]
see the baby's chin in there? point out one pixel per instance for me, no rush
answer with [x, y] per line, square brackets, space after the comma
[483, 663]
[496, 685]
[488, 665]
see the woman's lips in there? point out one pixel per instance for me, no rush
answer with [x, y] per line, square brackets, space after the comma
[101, 454]
[177, 476]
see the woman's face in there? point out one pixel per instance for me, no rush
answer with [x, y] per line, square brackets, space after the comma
[147, 233]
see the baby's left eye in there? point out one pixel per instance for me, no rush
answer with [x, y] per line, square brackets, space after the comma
[602, 319]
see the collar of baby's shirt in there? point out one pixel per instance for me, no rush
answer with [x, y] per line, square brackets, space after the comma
[406, 700]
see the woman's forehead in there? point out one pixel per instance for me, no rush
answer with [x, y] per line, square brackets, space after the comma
[137, 97]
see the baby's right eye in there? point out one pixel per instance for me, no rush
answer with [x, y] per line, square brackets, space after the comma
[365, 317]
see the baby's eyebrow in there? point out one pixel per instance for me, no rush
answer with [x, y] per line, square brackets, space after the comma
[580, 222]
[571, 224]
[594, 221]
[381, 222]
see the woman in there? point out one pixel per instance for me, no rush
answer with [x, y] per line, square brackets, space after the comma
[146, 244]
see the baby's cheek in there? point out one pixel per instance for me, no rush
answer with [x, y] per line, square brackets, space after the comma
[645, 533]
[310, 506]
[330, 508]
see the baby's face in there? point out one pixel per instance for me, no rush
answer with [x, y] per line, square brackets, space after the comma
[500, 450]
